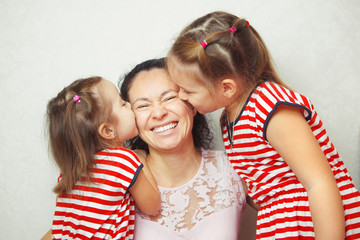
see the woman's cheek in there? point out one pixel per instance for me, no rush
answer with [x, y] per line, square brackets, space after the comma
[177, 106]
[141, 120]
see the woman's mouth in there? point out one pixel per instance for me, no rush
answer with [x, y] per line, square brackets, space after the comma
[165, 127]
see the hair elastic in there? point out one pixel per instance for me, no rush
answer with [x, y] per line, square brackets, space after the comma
[204, 44]
[232, 29]
[247, 22]
[76, 98]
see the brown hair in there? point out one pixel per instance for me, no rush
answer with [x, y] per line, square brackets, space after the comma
[73, 135]
[241, 54]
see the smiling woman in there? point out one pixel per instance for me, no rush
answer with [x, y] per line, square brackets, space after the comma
[202, 197]
[165, 121]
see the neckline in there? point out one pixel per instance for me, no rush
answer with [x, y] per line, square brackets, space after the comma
[229, 125]
[201, 166]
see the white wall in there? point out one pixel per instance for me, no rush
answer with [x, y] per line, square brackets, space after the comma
[45, 45]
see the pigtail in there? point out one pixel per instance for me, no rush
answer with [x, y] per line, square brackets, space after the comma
[226, 46]
[73, 136]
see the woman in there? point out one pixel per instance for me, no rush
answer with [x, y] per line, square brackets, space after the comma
[202, 197]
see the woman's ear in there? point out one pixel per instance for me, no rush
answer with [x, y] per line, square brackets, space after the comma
[106, 131]
[194, 111]
[228, 87]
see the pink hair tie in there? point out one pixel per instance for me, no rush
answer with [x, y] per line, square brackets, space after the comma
[232, 29]
[204, 44]
[76, 98]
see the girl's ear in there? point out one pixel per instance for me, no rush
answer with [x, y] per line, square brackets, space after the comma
[228, 87]
[106, 131]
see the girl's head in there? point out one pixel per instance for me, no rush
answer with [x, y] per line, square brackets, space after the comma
[216, 47]
[164, 121]
[84, 118]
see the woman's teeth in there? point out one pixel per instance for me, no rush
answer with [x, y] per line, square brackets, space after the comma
[165, 128]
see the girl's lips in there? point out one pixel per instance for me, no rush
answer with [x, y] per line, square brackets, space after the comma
[164, 128]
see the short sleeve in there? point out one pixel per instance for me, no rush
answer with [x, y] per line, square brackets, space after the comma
[269, 95]
[121, 164]
[90, 210]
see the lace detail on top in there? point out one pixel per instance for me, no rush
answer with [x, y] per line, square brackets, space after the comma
[215, 187]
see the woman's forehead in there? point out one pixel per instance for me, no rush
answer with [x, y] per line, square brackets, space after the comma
[154, 82]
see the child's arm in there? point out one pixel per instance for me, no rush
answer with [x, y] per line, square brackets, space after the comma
[142, 157]
[145, 191]
[289, 133]
[47, 236]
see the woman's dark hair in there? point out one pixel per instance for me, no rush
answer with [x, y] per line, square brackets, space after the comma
[201, 133]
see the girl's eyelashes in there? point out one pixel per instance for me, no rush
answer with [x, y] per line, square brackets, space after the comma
[123, 102]
[186, 91]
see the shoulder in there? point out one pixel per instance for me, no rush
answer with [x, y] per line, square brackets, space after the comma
[208, 154]
[272, 93]
[119, 155]
[268, 88]
[218, 159]
[220, 168]
[269, 95]
[120, 152]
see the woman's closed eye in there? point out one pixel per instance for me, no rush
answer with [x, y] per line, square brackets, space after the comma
[141, 106]
[169, 98]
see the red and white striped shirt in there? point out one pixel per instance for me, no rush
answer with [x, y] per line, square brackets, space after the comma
[102, 209]
[284, 211]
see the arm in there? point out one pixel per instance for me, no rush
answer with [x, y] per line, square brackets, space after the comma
[289, 133]
[142, 157]
[249, 200]
[145, 191]
[47, 236]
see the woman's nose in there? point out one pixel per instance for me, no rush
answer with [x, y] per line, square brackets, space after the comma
[158, 111]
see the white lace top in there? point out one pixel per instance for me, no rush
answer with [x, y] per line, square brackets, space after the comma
[207, 207]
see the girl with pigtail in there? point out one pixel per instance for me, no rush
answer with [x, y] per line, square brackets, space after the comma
[88, 122]
[273, 136]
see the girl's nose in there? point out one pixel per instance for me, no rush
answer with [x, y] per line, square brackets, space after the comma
[182, 95]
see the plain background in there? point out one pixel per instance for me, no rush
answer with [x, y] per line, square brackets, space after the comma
[47, 44]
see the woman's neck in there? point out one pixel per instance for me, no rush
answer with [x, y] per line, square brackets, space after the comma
[174, 168]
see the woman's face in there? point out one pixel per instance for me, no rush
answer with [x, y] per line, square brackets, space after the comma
[163, 120]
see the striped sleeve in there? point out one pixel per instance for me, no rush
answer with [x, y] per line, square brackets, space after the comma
[270, 96]
[120, 163]
[101, 208]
